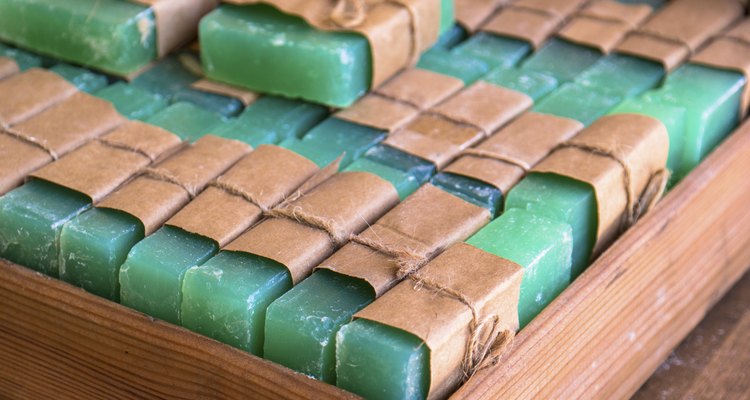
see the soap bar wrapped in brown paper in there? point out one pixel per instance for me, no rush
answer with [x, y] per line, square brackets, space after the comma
[623, 157]
[504, 158]
[679, 29]
[462, 304]
[401, 99]
[303, 232]
[237, 199]
[405, 238]
[31, 92]
[8, 67]
[441, 133]
[533, 21]
[54, 132]
[398, 30]
[159, 192]
[99, 167]
[176, 21]
[730, 50]
[603, 24]
[470, 14]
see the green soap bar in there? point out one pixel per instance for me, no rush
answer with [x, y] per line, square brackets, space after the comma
[186, 121]
[93, 246]
[132, 102]
[460, 66]
[494, 50]
[535, 84]
[260, 48]
[151, 276]
[83, 79]
[167, 78]
[711, 98]
[216, 103]
[561, 60]
[542, 246]
[673, 118]
[111, 35]
[451, 37]
[471, 190]
[404, 171]
[655, 4]
[301, 325]
[377, 361]
[583, 104]
[24, 59]
[335, 137]
[32, 216]
[565, 200]
[447, 15]
[226, 298]
[621, 75]
[272, 119]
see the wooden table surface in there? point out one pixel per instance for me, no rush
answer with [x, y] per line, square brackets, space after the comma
[713, 362]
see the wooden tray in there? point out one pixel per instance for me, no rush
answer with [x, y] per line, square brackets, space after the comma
[602, 338]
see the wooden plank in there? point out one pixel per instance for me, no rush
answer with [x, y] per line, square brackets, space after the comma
[714, 360]
[57, 341]
[606, 334]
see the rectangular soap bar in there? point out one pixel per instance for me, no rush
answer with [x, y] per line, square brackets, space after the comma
[561, 60]
[404, 171]
[578, 102]
[186, 120]
[85, 80]
[111, 35]
[23, 59]
[132, 102]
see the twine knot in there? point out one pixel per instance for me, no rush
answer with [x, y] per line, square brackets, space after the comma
[164, 175]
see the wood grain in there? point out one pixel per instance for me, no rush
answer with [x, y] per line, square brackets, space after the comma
[57, 341]
[713, 362]
[608, 332]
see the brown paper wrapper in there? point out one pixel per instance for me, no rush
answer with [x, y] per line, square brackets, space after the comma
[423, 225]
[401, 99]
[348, 202]
[504, 158]
[29, 93]
[398, 31]
[237, 199]
[533, 21]
[730, 51]
[8, 67]
[603, 24]
[160, 192]
[679, 29]
[471, 14]
[99, 167]
[53, 133]
[247, 97]
[441, 133]
[427, 308]
[640, 142]
[176, 21]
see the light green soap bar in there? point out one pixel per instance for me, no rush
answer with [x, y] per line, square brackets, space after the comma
[335, 137]
[272, 119]
[404, 171]
[32, 217]
[673, 118]
[151, 276]
[187, 121]
[460, 66]
[621, 75]
[564, 200]
[377, 361]
[561, 60]
[543, 247]
[226, 298]
[711, 98]
[583, 104]
[132, 102]
[495, 51]
[23, 59]
[111, 35]
[93, 246]
[301, 325]
[535, 84]
[83, 79]
[260, 48]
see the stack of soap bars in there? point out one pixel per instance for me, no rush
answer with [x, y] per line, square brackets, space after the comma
[304, 188]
